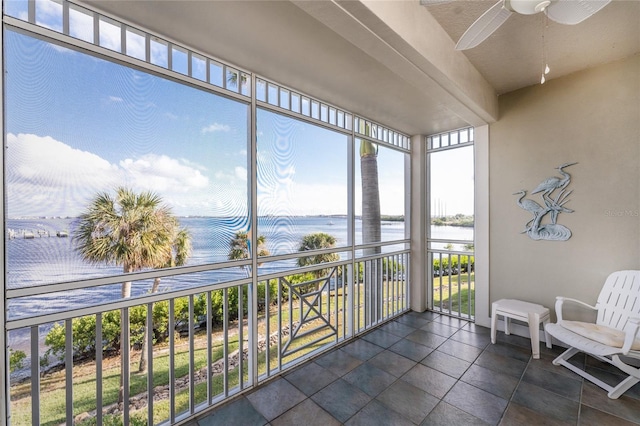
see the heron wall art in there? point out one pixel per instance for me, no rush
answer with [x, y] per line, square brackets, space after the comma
[554, 193]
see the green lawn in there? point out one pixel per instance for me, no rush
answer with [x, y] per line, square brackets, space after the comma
[53, 386]
[453, 297]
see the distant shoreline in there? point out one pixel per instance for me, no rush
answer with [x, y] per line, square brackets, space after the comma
[390, 218]
[458, 220]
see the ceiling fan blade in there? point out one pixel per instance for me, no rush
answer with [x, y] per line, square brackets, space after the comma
[432, 2]
[483, 27]
[572, 12]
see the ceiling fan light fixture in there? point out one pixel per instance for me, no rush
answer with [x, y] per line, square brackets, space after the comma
[526, 7]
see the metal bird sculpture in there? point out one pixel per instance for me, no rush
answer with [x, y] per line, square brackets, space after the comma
[553, 205]
[530, 206]
[552, 183]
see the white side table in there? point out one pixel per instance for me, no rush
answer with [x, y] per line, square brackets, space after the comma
[531, 313]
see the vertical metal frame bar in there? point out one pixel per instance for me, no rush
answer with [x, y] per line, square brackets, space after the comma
[253, 224]
[209, 316]
[68, 370]
[396, 277]
[35, 376]
[147, 48]
[123, 39]
[149, 349]
[407, 288]
[189, 63]
[126, 360]
[4, 361]
[440, 275]
[279, 346]
[267, 320]
[350, 309]
[427, 255]
[207, 71]
[469, 284]
[31, 11]
[192, 329]
[225, 331]
[224, 76]
[449, 275]
[290, 302]
[338, 291]
[240, 336]
[358, 294]
[252, 331]
[65, 17]
[459, 279]
[99, 374]
[96, 29]
[172, 357]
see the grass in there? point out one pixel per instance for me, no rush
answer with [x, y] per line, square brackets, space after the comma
[53, 385]
[453, 296]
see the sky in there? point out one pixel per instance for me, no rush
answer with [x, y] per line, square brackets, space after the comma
[452, 177]
[77, 125]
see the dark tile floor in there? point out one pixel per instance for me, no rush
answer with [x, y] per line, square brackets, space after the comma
[428, 369]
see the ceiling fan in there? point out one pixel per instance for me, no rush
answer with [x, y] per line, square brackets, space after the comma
[569, 12]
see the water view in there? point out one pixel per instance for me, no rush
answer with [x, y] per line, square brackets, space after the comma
[48, 258]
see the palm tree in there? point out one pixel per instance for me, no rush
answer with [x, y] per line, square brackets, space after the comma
[239, 247]
[180, 252]
[318, 241]
[136, 231]
[371, 221]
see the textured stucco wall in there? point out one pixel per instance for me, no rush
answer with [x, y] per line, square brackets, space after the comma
[593, 118]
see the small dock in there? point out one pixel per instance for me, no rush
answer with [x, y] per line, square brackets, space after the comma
[30, 234]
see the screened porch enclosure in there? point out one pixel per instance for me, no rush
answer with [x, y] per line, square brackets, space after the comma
[179, 230]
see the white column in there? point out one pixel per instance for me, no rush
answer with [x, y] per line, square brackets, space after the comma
[418, 223]
[481, 243]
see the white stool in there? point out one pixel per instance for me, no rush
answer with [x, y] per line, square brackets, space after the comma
[530, 313]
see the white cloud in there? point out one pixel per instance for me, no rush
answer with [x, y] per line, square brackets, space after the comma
[31, 157]
[241, 173]
[61, 49]
[135, 45]
[170, 116]
[46, 177]
[215, 127]
[162, 174]
[159, 53]
[290, 198]
[115, 99]
[231, 177]
[49, 14]
[80, 25]
[110, 35]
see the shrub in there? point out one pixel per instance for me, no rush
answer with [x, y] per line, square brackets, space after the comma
[16, 359]
[84, 335]
[84, 342]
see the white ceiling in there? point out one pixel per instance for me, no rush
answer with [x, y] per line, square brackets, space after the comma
[347, 53]
[511, 58]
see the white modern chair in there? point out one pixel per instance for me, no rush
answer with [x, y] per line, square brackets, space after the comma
[614, 338]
